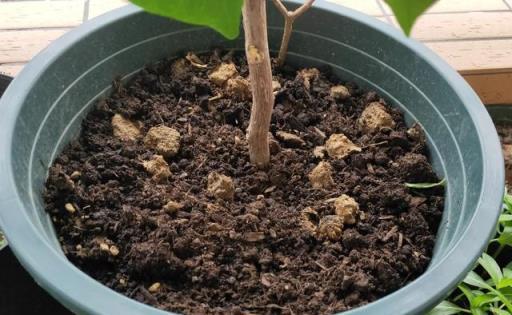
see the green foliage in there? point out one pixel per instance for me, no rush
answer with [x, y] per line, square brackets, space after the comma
[221, 15]
[488, 288]
[224, 15]
[426, 185]
[447, 308]
[407, 11]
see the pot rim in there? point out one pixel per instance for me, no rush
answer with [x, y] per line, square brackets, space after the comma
[82, 294]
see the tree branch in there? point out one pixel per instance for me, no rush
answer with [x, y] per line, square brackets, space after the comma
[280, 6]
[260, 75]
[303, 8]
[289, 18]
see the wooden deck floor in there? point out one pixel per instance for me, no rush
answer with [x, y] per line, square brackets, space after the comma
[474, 36]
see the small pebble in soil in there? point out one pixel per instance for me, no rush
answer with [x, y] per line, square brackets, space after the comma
[346, 208]
[308, 76]
[276, 86]
[104, 247]
[321, 176]
[163, 139]
[319, 151]
[223, 73]
[75, 175]
[157, 167]
[171, 207]
[238, 88]
[221, 186]
[125, 129]
[339, 146]
[339, 92]
[69, 208]
[155, 287]
[114, 251]
[330, 227]
[309, 219]
[375, 117]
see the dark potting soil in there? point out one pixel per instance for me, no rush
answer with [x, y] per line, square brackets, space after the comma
[261, 241]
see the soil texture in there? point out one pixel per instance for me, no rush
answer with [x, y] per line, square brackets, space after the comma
[157, 198]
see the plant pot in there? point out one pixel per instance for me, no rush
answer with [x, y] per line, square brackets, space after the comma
[47, 101]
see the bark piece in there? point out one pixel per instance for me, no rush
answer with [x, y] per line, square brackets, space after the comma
[290, 139]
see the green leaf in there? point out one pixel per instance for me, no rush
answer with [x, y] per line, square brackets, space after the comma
[221, 15]
[504, 283]
[426, 185]
[498, 311]
[478, 311]
[507, 272]
[503, 298]
[468, 293]
[447, 308]
[475, 280]
[492, 268]
[505, 217]
[485, 299]
[508, 202]
[506, 237]
[407, 11]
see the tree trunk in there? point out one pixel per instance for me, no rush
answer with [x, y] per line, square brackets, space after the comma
[260, 75]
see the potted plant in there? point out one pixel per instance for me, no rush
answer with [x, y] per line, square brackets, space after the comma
[439, 101]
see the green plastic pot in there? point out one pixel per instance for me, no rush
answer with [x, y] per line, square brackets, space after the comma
[43, 107]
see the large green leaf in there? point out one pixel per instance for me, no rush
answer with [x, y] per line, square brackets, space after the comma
[221, 15]
[407, 11]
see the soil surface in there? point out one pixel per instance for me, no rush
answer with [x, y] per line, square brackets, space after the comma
[189, 225]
